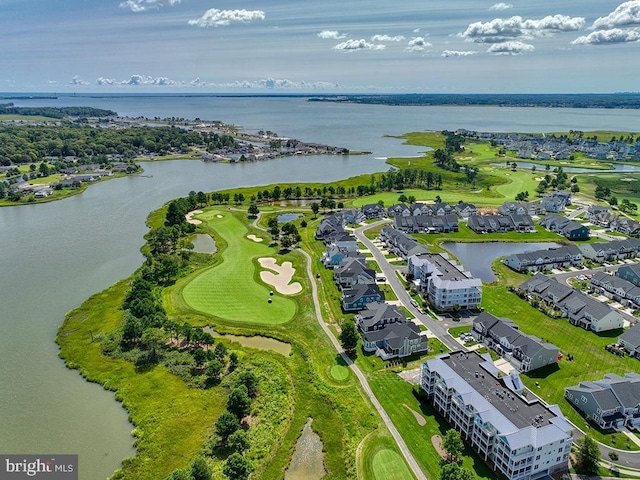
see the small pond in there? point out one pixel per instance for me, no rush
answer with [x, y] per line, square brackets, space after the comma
[288, 217]
[203, 243]
[257, 341]
[478, 257]
[307, 462]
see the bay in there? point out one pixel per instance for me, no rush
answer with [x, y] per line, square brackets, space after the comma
[53, 256]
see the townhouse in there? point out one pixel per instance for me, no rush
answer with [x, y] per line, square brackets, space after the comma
[538, 260]
[524, 352]
[612, 403]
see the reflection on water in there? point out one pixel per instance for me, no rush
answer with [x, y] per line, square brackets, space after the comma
[203, 243]
[307, 462]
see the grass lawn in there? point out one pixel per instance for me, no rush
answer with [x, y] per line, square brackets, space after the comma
[396, 395]
[591, 360]
[389, 465]
[232, 290]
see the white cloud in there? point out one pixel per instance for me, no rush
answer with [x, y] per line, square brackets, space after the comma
[354, 45]
[417, 44]
[458, 53]
[216, 18]
[510, 48]
[76, 80]
[604, 37]
[626, 14]
[142, 5]
[105, 81]
[500, 6]
[387, 38]
[276, 84]
[500, 30]
[416, 30]
[332, 34]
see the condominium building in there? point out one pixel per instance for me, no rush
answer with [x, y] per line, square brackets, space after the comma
[520, 438]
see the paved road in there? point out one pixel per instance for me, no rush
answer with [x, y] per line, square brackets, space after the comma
[413, 464]
[437, 327]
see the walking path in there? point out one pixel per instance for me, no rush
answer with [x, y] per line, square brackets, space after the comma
[413, 464]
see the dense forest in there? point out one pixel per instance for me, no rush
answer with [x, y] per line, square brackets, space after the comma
[20, 144]
[54, 112]
[605, 100]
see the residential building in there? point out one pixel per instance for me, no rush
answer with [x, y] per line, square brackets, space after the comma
[616, 288]
[582, 310]
[373, 210]
[353, 271]
[399, 339]
[501, 223]
[630, 273]
[524, 352]
[599, 215]
[613, 402]
[569, 228]
[377, 316]
[613, 250]
[539, 260]
[556, 202]
[630, 340]
[426, 223]
[357, 297]
[626, 226]
[400, 243]
[519, 438]
[465, 209]
[445, 283]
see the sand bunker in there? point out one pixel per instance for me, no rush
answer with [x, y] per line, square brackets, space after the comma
[193, 221]
[281, 278]
[251, 236]
[218, 216]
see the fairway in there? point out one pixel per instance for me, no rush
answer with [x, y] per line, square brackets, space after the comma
[231, 290]
[389, 465]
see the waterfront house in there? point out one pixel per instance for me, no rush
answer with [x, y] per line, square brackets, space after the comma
[611, 251]
[562, 225]
[539, 260]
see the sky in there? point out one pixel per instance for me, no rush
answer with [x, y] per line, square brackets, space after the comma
[296, 46]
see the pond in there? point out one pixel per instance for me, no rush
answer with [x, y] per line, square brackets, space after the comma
[257, 341]
[307, 462]
[288, 217]
[203, 243]
[478, 257]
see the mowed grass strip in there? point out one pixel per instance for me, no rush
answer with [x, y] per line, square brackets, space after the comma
[232, 290]
[389, 465]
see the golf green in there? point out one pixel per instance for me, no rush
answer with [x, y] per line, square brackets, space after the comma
[389, 465]
[232, 290]
[339, 372]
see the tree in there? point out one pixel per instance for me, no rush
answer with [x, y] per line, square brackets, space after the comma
[253, 210]
[200, 470]
[452, 443]
[226, 424]
[180, 474]
[214, 368]
[153, 339]
[315, 208]
[237, 441]
[249, 380]
[131, 327]
[349, 337]
[453, 471]
[587, 455]
[237, 467]
[239, 402]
